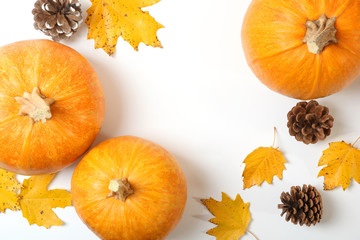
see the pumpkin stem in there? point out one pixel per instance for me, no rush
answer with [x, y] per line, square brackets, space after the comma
[320, 33]
[35, 105]
[120, 189]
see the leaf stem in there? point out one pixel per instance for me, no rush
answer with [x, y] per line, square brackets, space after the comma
[274, 137]
[355, 142]
[252, 234]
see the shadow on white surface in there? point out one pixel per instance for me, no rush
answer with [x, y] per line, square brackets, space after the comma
[195, 184]
[113, 100]
[328, 205]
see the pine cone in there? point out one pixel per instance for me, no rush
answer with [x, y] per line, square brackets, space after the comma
[309, 122]
[303, 206]
[57, 18]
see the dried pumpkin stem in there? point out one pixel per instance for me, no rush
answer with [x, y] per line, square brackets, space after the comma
[35, 105]
[320, 33]
[120, 189]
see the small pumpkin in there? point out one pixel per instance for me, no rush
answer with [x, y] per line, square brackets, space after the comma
[303, 49]
[129, 188]
[51, 106]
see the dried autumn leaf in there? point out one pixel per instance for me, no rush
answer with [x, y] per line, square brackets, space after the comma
[36, 201]
[231, 216]
[343, 163]
[107, 20]
[9, 188]
[262, 165]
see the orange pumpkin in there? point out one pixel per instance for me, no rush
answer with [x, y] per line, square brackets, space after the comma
[51, 106]
[304, 49]
[127, 188]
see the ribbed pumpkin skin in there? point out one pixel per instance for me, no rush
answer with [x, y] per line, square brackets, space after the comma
[156, 178]
[77, 114]
[272, 36]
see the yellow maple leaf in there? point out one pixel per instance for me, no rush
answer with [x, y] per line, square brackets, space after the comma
[262, 165]
[36, 201]
[108, 19]
[343, 163]
[231, 216]
[9, 188]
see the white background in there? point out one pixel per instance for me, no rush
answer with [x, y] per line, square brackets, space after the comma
[198, 98]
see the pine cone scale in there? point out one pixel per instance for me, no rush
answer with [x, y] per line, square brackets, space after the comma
[299, 136]
[310, 117]
[299, 109]
[300, 203]
[50, 8]
[74, 18]
[73, 24]
[306, 208]
[306, 130]
[320, 134]
[311, 106]
[319, 111]
[302, 217]
[53, 32]
[300, 117]
[297, 127]
[40, 17]
[51, 22]
[59, 30]
[288, 216]
[306, 139]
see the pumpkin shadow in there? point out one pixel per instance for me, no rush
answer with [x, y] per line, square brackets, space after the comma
[344, 101]
[113, 101]
[195, 185]
[352, 90]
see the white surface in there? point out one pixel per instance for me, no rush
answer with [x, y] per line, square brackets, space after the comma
[198, 98]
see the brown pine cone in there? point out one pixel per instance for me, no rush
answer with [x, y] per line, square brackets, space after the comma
[303, 206]
[57, 18]
[309, 122]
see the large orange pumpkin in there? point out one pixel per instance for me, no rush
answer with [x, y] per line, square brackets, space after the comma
[304, 49]
[127, 188]
[51, 106]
